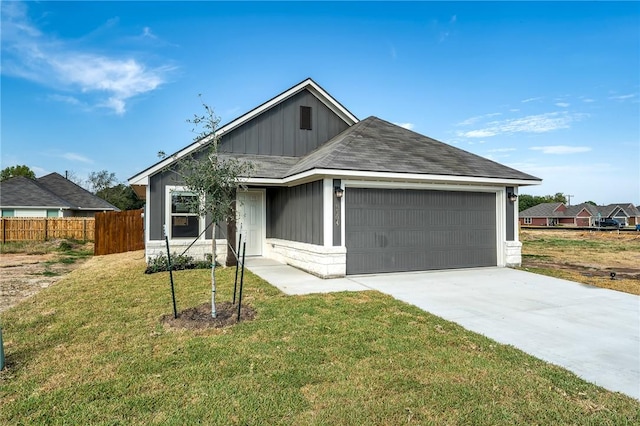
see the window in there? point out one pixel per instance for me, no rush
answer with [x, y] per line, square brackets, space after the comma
[185, 222]
[527, 221]
[305, 118]
[52, 213]
[7, 213]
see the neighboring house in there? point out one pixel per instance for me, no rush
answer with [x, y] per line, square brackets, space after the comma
[334, 195]
[585, 214]
[48, 196]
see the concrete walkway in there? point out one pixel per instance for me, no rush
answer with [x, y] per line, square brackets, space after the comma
[590, 331]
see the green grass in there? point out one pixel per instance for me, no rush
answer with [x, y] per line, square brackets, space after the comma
[91, 350]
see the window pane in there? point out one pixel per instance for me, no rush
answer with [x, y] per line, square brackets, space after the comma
[185, 226]
[182, 203]
[52, 213]
[7, 213]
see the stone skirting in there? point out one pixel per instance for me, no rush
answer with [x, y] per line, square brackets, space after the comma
[513, 253]
[199, 250]
[324, 262]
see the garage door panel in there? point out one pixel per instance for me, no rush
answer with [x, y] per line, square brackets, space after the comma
[409, 230]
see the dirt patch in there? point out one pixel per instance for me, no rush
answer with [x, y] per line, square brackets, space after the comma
[24, 274]
[588, 257]
[200, 317]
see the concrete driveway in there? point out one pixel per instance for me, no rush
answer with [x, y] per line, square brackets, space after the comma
[590, 331]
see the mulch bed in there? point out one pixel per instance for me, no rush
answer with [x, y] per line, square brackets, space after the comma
[200, 317]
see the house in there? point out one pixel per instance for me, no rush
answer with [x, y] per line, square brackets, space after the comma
[334, 195]
[585, 214]
[48, 196]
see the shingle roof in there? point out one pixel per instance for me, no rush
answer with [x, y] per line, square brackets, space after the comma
[52, 190]
[542, 210]
[77, 196]
[379, 146]
[20, 191]
[548, 210]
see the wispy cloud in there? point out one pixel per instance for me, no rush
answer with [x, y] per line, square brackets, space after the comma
[473, 120]
[539, 98]
[30, 54]
[540, 123]
[563, 104]
[72, 156]
[561, 149]
[501, 150]
[409, 126]
[588, 100]
[623, 97]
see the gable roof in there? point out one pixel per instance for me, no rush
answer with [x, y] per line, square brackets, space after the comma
[542, 210]
[549, 210]
[20, 191]
[50, 191]
[308, 84]
[78, 197]
[375, 145]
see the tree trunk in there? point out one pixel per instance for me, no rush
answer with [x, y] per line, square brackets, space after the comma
[213, 274]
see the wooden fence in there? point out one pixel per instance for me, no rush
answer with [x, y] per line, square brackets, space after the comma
[44, 228]
[118, 232]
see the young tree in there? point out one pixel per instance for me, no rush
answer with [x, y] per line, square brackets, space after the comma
[213, 177]
[14, 171]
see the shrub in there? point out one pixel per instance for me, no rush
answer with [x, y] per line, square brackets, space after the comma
[160, 263]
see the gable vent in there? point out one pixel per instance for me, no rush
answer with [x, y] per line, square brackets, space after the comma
[305, 118]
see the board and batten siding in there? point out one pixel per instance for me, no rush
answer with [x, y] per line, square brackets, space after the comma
[295, 213]
[277, 130]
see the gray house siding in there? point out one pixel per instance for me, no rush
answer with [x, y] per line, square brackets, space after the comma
[157, 204]
[397, 230]
[295, 213]
[511, 216]
[277, 130]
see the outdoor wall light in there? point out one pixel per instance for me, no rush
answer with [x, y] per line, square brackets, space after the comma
[512, 197]
[339, 192]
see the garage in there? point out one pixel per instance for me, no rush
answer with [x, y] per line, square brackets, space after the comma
[397, 230]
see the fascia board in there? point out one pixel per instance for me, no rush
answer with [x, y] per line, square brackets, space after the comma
[386, 176]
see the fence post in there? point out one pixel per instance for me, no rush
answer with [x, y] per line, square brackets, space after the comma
[4, 230]
[46, 233]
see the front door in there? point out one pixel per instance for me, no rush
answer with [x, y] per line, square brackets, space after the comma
[249, 225]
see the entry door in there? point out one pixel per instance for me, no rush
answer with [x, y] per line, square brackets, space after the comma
[249, 222]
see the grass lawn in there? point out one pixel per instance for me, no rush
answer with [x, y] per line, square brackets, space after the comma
[92, 350]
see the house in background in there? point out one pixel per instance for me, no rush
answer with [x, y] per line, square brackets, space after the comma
[48, 196]
[334, 195]
[585, 214]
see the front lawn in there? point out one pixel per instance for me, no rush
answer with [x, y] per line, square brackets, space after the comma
[92, 350]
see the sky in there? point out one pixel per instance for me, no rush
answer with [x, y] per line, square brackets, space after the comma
[551, 89]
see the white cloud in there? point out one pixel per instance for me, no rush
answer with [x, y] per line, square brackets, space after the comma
[502, 150]
[473, 120]
[408, 126]
[561, 149]
[524, 101]
[72, 156]
[623, 97]
[588, 100]
[563, 104]
[540, 123]
[113, 79]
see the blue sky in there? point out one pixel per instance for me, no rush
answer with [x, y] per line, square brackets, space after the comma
[552, 89]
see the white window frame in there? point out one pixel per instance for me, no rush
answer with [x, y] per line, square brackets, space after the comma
[170, 191]
[528, 220]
